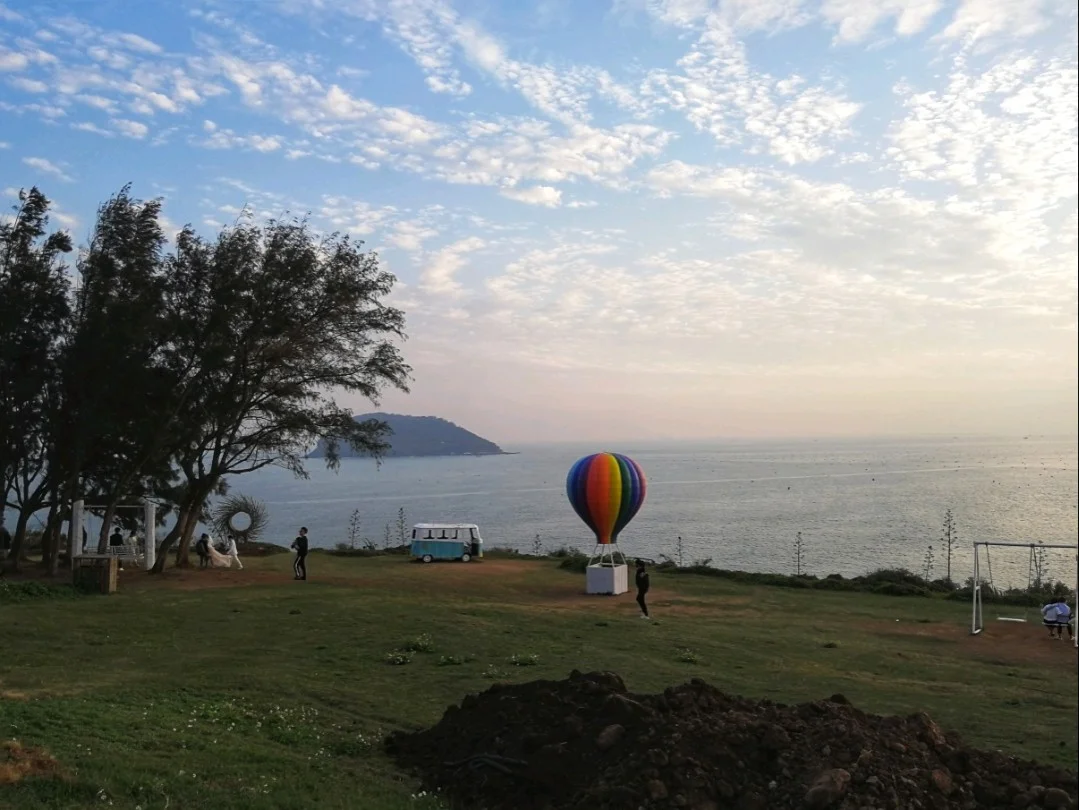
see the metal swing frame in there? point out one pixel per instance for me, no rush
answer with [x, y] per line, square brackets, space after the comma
[977, 619]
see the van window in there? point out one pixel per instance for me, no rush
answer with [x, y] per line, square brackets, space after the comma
[472, 534]
[442, 536]
[455, 534]
[427, 535]
[413, 534]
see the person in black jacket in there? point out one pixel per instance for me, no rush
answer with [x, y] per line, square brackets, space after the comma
[642, 588]
[299, 567]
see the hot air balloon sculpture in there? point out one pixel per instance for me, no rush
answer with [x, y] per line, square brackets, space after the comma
[606, 490]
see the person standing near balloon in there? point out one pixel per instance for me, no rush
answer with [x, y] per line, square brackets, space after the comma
[643, 585]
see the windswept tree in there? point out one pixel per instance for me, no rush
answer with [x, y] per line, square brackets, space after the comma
[120, 396]
[34, 312]
[272, 322]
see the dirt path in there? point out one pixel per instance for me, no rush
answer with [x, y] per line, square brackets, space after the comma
[1000, 642]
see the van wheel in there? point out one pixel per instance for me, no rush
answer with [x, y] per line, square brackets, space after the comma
[466, 557]
[427, 558]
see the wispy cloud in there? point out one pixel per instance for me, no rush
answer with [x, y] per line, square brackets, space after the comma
[46, 167]
[717, 200]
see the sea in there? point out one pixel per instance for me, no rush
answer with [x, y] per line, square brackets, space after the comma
[859, 505]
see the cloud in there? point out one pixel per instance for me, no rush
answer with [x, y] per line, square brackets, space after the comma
[130, 129]
[547, 196]
[774, 220]
[28, 85]
[438, 276]
[46, 167]
[11, 60]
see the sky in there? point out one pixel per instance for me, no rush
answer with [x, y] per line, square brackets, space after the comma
[617, 219]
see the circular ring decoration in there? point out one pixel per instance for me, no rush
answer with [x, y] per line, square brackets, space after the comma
[228, 518]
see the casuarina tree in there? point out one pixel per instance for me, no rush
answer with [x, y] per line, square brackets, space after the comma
[274, 322]
[34, 309]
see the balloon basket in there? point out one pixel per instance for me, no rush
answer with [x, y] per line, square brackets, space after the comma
[607, 572]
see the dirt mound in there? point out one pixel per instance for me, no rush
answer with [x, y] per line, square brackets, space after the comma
[586, 743]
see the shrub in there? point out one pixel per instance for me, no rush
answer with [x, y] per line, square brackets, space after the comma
[30, 591]
[529, 660]
[422, 644]
[398, 658]
[687, 656]
[575, 561]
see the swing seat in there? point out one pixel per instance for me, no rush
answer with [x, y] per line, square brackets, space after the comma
[1010, 619]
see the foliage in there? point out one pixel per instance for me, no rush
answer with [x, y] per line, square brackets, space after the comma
[524, 660]
[35, 315]
[687, 656]
[422, 643]
[799, 555]
[165, 373]
[30, 591]
[402, 527]
[354, 529]
[927, 564]
[949, 537]
[572, 560]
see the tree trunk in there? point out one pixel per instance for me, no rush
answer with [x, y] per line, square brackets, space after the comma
[106, 524]
[52, 533]
[166, 544]
[185, 514]
[183, 552]
[17, 540]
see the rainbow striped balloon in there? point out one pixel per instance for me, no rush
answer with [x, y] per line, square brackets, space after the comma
[606, 491]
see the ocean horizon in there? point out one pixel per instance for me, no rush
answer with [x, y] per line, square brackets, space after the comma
[739, 503]
[859, 504]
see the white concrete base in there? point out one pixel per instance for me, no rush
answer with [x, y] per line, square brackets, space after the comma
[607, 579]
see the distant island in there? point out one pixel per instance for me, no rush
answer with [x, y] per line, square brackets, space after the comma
[422, 436]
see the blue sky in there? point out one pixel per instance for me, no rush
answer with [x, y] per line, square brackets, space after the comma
[639, 218]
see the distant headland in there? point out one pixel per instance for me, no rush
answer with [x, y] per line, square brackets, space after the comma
[416, 436]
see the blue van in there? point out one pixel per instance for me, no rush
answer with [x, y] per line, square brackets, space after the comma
[446, 541]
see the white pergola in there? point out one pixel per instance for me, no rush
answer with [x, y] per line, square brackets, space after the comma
[78, 522]
[977, 619]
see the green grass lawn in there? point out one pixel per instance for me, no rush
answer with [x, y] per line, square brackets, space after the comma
[277, 694]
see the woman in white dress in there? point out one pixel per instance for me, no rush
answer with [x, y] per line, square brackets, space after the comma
[217, 559]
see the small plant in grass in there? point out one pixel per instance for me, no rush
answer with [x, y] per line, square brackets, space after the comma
[680, 550]
[422, 644]
[398, 658]
[527, 660]
[451, 661]
[688, 656]
[927, 565]
[537, 546]
[493, 673]
[799, 555]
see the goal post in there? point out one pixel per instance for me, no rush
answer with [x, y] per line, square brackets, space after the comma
[977, 618]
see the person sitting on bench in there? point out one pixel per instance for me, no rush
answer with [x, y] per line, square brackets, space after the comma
[1056, 616]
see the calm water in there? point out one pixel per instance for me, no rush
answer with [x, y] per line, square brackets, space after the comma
[859, 505]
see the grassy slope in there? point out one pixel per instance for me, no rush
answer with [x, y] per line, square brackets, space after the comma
[276, 695]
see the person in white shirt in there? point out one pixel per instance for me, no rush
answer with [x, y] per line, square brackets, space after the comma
[1056, 616]
[230, 551]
